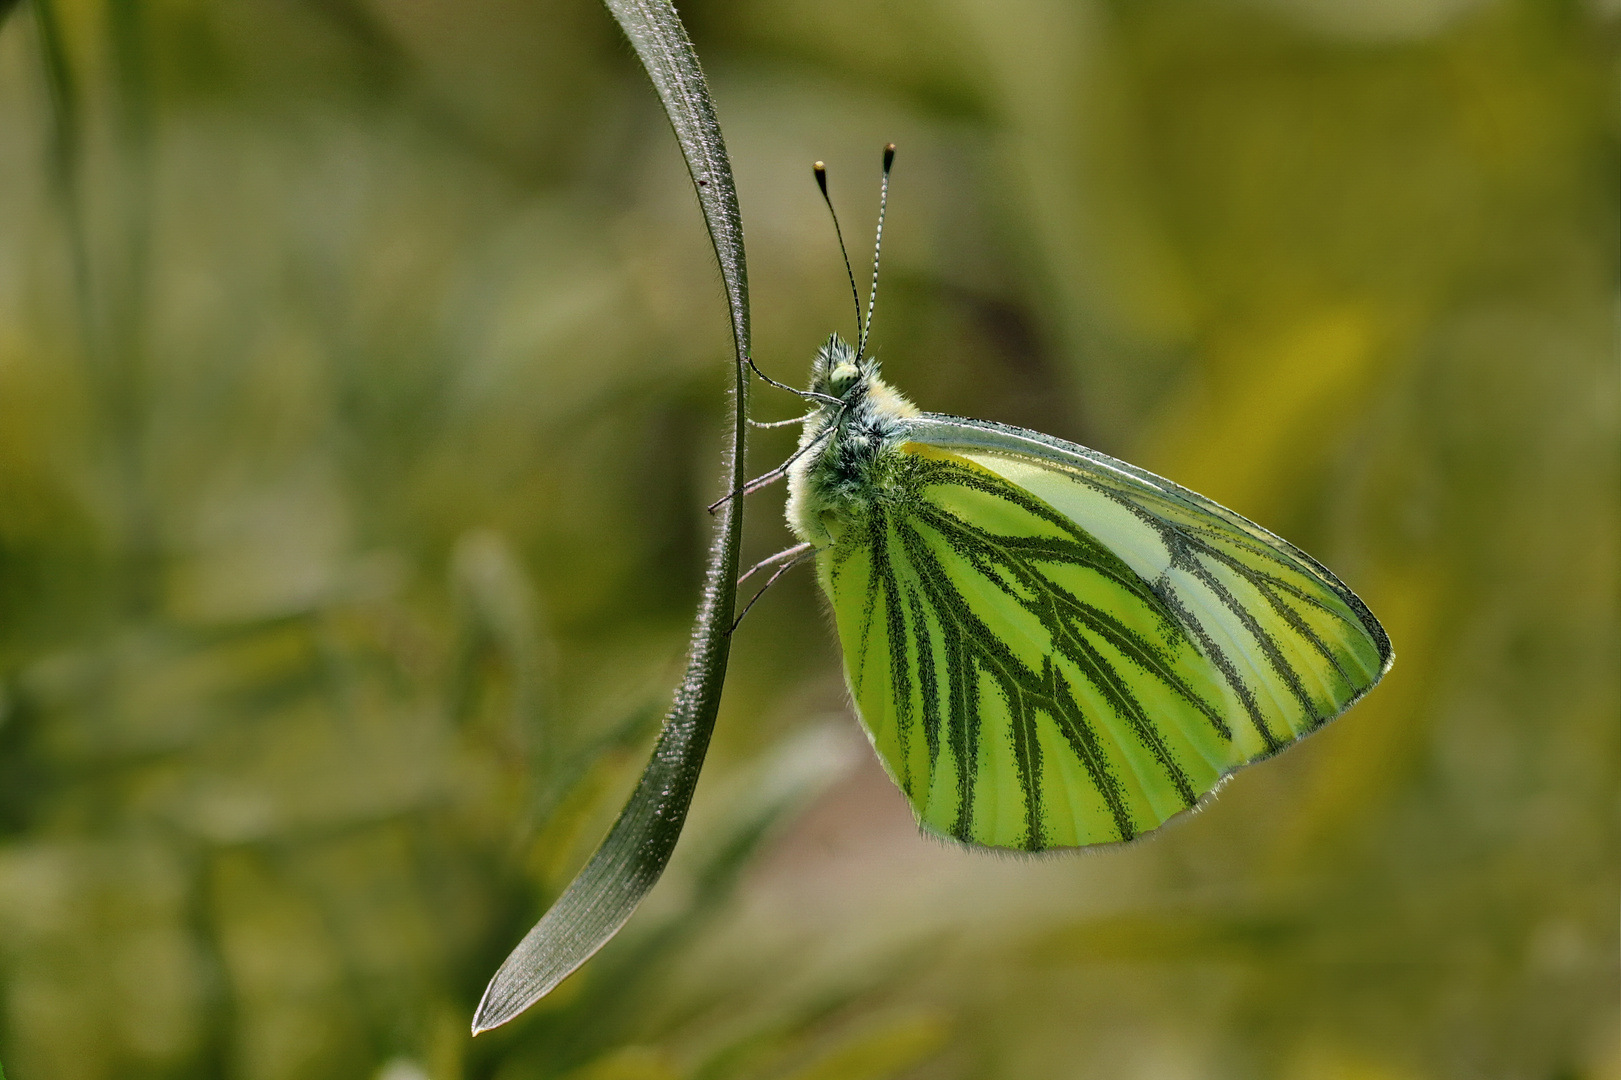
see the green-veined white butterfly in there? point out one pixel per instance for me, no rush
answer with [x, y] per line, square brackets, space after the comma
[1047, 646]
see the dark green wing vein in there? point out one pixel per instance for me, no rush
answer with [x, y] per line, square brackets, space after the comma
[1262, 637]
[1056, 666]
[964, 698]
[969, 647]
[869, 607]
[900, 656]
[1084, 742]
[1065, 611]
[1026, 752]
[928, 687]
[976, 649]
[1291, 644]
[1058, 612]
[1075, 545]
[1269, 586]
[1049, 648]
[1257, 575]
[1224, 665]
[1175, 506]
[1187, 543]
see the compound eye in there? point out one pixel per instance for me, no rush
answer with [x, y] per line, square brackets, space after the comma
[843, 377]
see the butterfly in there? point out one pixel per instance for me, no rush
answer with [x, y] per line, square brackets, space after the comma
[1049, 647]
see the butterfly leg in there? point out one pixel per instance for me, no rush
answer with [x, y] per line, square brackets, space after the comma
[790, 558]
[795, 553]
[767, 479]
[764, 480]
[776, 423]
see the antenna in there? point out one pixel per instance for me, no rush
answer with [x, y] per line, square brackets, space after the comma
[821, 181]
[877, 248]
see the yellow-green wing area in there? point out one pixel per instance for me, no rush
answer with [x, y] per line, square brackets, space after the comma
[1050, 648]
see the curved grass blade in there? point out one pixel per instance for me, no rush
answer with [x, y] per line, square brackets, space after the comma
[66, 135]
[621, 872]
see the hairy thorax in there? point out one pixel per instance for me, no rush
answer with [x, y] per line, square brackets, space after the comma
[849, 460]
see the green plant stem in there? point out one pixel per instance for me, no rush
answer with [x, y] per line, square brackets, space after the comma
[630, 860]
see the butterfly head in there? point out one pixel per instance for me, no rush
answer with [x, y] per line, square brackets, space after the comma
[841, 372]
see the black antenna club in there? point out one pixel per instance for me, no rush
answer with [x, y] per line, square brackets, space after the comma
[877, 247]
[820, 170]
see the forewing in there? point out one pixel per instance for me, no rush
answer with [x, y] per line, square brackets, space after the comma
[1048, 651]
[1293, 646]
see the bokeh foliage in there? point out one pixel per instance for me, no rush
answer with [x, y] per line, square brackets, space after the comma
[361, 375]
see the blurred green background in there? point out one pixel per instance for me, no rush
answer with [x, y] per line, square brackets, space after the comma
[362, 382]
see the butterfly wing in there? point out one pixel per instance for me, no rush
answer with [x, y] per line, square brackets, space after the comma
[1052, 648]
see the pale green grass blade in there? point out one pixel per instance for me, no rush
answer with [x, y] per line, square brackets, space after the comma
[622, 871]
[66, 111]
